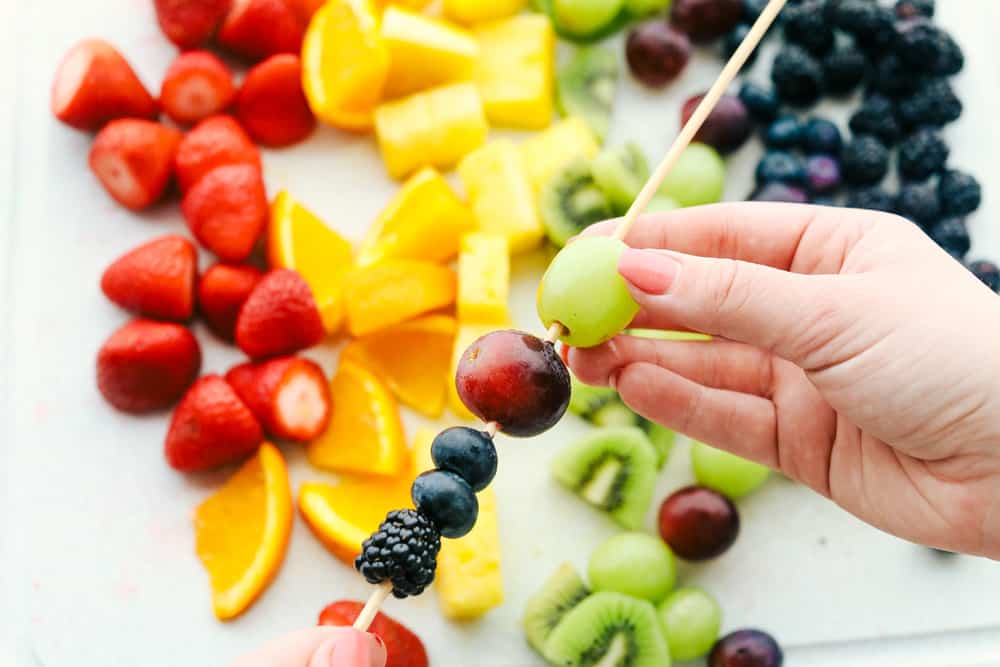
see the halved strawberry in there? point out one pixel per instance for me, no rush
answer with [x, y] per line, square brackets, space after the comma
[94, 84]
[214, 142]
[305, 8]
[190, 23]
[256, 29]
[147, 365]
[210, 427]
[134, 160]
[403, 648]
[227, 210]
[197, 85]
[289, 396]
[271, 104]
[279, 318]
[222, 291]
[156, 279]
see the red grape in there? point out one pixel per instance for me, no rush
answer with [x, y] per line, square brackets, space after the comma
[705, 20]
[698, 523]
[746, 648]
[656, 53]
[727, 127]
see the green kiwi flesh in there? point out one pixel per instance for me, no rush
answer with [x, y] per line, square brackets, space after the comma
[620, 172]
[585, 400]
[570, 202]
[560, 593]
[585, 87]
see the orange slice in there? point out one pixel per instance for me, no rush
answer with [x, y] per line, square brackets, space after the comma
[365, 433]
[393, 291]
[242, 531]
[413, 358]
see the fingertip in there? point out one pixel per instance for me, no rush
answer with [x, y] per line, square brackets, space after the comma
[589, 364]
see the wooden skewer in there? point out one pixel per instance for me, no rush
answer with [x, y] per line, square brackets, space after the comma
[686, 135]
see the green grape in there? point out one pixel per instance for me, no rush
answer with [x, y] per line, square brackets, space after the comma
[660, 203]
[691, 619]
[727, 473]
[636, 564]
[640, 8]
[583, 291]
[585, 17]
[697, 178]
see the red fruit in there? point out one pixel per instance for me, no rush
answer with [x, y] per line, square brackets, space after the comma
[156, 279]
[280, 317]
[134, 159]
[305, 8]
[190, 23]
[227, 210]
[94, 84]
[404, 648]
[727, 127]
[222, 291]
[256, 29]
[698, 523]
[214, 142]
[147, 365]
[271, 104]
[210, 427]
[196, 86]
[705, 20]
[289, 395]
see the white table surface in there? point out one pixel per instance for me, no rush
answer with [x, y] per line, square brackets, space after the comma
[98, 563]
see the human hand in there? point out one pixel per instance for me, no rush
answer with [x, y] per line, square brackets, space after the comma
[851, 354]
[322, 646]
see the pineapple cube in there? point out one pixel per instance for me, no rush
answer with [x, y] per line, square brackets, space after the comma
[500, 194]
[425, 52]
[478, 11]
[517, 59]
[464, 337]
[483, 278]
[548, 152]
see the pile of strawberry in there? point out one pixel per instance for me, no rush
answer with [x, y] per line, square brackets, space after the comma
[154, 361]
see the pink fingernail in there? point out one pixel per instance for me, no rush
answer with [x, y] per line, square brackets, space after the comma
[650, 271]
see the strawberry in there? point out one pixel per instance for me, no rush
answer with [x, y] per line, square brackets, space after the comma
[222, 291]
[94, 84]
[214, 142]
[227, 210]
[256, 29]
[280, 317]
[147, 365]
[288, 395]
[190, 23]
[156, 279]
[210, 427]
[196, 86]
[403, 647]
[305, 8]
[134, 160]
[271, 104]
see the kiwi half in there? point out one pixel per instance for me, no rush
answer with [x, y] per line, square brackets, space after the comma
[571, 201]
[585, 87]
[662, 439]
[610, 630]
[620, 172]
[546, 608]
[613, 469]
[585, 400]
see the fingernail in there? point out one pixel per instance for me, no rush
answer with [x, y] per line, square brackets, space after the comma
[351, 648]
[650, 271]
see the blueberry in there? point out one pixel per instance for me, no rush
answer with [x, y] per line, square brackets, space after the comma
[785, 132]
[447, 500]
[732, 40]
[822, 174]
[779, 192]
[988, 272]
[468, 453]
[761, 102]
[780, 167]
[821, 136]
[952, 235]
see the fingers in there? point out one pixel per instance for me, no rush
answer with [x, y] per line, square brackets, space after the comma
[321, 646]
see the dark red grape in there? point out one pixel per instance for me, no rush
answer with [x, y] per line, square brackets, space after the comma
[746, 648]
[706, 20]
[727, 127]
[698, 523]
[514, 379]
[656, 53]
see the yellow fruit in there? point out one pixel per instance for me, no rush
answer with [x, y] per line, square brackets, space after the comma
[365, 433]
[465, 336]
[432, 128]
[501, 197]
[478, 11]
[242, 531]
[425, 52]
[483, 278]
[549, 151]
[425, 220]
[394, 291]
[412, 358]
[297, 239]
[517, 59]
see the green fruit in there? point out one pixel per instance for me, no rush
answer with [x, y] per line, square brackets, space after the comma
[660, 334]
[583, 291]
[560, 593]
[635, 564]
[620, 173]
[615, 413]
[613, 469]
[585, 18]
[698, 177]
[585, 400]
[642, 8]
[690, 620]
[608, 630]
[570, 202]
[662, 439]
[727, 473]
[585, 87]
[661, 203]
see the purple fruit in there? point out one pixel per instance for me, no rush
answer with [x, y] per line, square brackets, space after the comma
[727, 127]
[698, 523]
[656, 53]
[746, 648]
[780, 192]
[822, 174]
[706, 20]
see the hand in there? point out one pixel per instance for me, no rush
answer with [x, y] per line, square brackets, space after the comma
[851, 354]
[322, 646]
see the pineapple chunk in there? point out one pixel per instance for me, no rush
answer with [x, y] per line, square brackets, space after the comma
[425, 52]
[501, 196]
[466, 335]
[548, 152]
[479, 11]
[483, 278]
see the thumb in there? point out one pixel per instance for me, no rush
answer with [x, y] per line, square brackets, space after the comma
[320, 646]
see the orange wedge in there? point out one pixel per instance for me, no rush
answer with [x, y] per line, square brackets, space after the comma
[242, 531]
[413, 358]
[365, 433]
[393, 291]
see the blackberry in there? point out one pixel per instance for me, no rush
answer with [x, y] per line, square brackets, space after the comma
[761, 102]
[871, 25]
[958, 192]
[950, 60]
[752, 9]
[892, 78]
[919, 203]
[864, 161]
[821, 136]
[804, 25]
[919, 43]
[872, 199]
[784, 132]
[952, 236]
[933, 103]
[843, 70]
[797, 76]
[732, 40]
[911, 9]
[403, 550]
[780, 167]
[988, 272]
[921, 154]
[877, 116]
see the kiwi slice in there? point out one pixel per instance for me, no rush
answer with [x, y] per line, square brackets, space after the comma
[585, 400]
[662, 439]
[620, 172]
[608, 630]
[562, 591]
[613, 469]
[571, 201]
[585, 87]
[615, 413]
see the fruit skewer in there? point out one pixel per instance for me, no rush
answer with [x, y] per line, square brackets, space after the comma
[406, 543]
